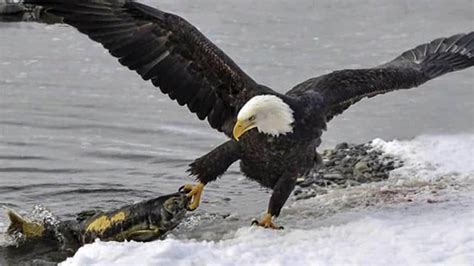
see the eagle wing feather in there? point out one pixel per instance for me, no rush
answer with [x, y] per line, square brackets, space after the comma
[341, 89]
[166, 49]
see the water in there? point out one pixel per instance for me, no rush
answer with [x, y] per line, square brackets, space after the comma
[79, 131]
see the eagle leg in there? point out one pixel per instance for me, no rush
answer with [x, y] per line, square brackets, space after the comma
[267, 222]
[208, 167]
[194, 191]
[281, 192]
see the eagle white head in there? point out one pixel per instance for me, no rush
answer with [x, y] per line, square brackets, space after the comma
[268, 113]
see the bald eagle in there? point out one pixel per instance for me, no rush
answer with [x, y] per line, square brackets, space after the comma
[274, 135]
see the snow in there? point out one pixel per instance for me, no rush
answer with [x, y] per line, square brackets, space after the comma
[428, 220]
[431, 157]
[393, 238]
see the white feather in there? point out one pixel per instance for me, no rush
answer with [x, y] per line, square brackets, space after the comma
[272, 115]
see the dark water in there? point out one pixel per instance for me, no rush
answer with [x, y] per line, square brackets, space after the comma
[78, 131]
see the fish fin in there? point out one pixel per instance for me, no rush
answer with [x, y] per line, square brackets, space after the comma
[20, 224]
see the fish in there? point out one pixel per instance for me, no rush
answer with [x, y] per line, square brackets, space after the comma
[143, 221]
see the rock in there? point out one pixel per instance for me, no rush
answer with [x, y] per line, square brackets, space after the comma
[300, 180]
[306, 195]
[297, 191]
[7, 7]
[306, 183]
[344, 166]
[16, 11]
[368, 175]
[330, 162]
[333, 176]
[351, 183]
[342, 145]
[360, 168]
[328, 153]
[347, 161]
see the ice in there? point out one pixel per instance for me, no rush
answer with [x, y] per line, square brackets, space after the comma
[387, 223]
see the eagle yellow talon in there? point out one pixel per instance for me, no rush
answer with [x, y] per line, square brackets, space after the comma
[195, 192]
[267, 222]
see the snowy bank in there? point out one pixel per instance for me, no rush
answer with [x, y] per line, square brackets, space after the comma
[423, 214]
[442, 234]
[431, 157]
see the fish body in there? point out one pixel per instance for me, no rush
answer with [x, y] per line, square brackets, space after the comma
[144, 221]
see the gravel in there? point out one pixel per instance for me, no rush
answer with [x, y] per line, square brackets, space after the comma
[344, 166]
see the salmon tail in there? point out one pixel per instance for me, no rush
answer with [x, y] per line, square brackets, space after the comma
[23, 225]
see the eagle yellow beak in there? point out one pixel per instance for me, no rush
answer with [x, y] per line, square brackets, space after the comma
[241, 127]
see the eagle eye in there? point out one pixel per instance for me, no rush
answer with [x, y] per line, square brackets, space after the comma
[252, 118]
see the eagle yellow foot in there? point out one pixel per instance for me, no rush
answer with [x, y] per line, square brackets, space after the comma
[195, 192]
[267, 222]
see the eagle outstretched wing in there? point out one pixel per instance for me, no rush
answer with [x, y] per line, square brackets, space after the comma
[341, 89]
[167, 50]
